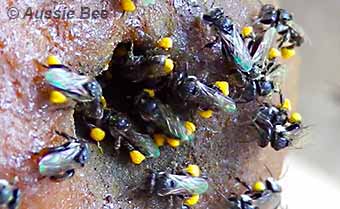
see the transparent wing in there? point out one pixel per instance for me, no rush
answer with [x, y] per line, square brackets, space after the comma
[189, 185]
[58, 161]
[144, 143]
[173, 124]
[268, 200]
[234, 45]
[300, 30]
[67, 81]
[224, 103]
[299, 136]
[277, 74]
[263, 49]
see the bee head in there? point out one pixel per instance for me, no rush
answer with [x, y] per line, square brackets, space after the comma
[94, 89]
[214, 15]
[285, 15]
[83, 155]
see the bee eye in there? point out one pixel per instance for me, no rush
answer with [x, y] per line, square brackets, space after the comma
[190, 88]
[267, 87]
[150, 107]
[94, 88]
[285, 15]
[122, 124]
[280, 143]
[171, 184]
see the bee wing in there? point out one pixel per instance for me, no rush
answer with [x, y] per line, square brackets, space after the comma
[269, 200]
[297, 136]
[68, 82]
[220, 101]
[300, 30]
[234, 45]
[262, 51]
[189, 185]
[55, 162]
[144, 143]
[278, 75]
[173, 123]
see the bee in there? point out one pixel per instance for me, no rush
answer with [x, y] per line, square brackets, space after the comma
[264, 84]
[9, 195]
[282, 20]
[147, 66]
[277, 126]
[233, 45]
[83, 89]
[59, 163]
[183, 186]
[120, 126]
[190, 89]
[162, 117]
[264, 195]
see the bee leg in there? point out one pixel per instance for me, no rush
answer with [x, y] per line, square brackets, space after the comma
[284, 39]
[14, 203]
[66, 136]
[117, 143]
[212, 44]
[247, 186]
[171, 201]
[61, 107]
[61, 177]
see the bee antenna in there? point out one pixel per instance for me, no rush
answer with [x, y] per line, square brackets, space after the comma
[260, 2]
[269, 171]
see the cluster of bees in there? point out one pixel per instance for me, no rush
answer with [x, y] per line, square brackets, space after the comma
[256, 57]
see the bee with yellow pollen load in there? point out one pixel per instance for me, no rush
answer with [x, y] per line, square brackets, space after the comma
[187, 185]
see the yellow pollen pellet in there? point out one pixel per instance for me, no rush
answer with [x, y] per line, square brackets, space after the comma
[165, 43]
[159, 139]
[56, 97]
[193, 200]
[128, 5]
[273, 53]
[53, 60]
[247, 31]
[103, 101]
[193, 170]
[173, 142]
[258, 186]
[136, 157]
[287, 53]
[223, 86]
[97, 134]
[205, 113]
[286, 105]
[190, 127]
[295, 118]
[168, 65]
[151, 92]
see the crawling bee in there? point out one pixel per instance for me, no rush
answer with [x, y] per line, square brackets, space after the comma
[59, 163]
[277, 127]
[282, 20]
[81, 88]
[190, 89]
[264, 84]
[9, 195]
[120, 127]
[182, 185]
[161, 116]
[147, 66]
[262, 195]
[233, 45]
